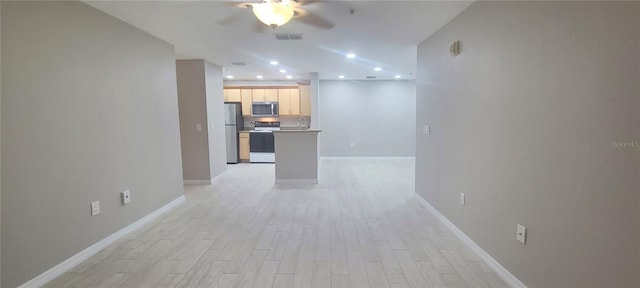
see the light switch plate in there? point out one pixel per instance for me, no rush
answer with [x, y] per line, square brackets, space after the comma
[125, 196]
[462, 199]
[426, 130]
[95, 208]
[198, 127]
[521, 234]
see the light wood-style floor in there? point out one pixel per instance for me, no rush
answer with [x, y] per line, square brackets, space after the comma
[361, 227]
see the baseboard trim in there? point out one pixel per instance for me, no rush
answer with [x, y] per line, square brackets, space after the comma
[502, 272]
[365, 158]
[85, 254]
[296, 181]
[197, 182]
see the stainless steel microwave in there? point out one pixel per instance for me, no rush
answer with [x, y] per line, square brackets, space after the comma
[264, 109]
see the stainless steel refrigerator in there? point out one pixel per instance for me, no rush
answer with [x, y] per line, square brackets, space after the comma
[233, 124]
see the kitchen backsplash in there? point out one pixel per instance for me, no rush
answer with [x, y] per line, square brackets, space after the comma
[285, 121]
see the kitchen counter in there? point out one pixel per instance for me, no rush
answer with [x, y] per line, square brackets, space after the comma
[296, 155]
[289, 130]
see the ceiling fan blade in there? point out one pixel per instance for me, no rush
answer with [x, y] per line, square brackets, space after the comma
[314, 20]
[306, 2]
[245, 4]
[229, 19]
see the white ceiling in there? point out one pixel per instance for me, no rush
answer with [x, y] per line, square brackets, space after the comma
[381, 33]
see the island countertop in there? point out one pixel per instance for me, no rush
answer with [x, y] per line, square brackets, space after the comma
[296, 130]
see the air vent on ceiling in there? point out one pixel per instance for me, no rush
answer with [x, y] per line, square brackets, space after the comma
[371, 77]
[239, 63]
[288, 36]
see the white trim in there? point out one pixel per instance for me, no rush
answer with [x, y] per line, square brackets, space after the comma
[365, 158]
[502, 272]
[85, 254]
[197, 182]
[296, 181]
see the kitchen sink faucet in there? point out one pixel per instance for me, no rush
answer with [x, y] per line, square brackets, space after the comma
[305, 123]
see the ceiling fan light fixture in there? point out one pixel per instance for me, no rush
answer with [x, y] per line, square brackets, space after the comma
[273, 14]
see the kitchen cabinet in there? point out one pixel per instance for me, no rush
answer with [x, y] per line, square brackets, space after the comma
[258, 95]
[305, 100]
[232, 95]
[270, 95]
[284, 102]
[294, 96]
[246, 99]
[265, 95]
[244, 146]
[289, 102]
[292, 101]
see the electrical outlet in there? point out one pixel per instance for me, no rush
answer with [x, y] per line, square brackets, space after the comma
[125, 196]
[95, 208]
[426, 130]
[462, 199]
[521, 234]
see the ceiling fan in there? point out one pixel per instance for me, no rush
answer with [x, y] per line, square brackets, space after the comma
[275, 13]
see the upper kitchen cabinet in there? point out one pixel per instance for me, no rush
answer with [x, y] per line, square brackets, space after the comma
[232, 95]
[258, 95]
[305, 100]
[270, 95]
[294, 95]
[246, 99]
[265, 95]
[289, 101]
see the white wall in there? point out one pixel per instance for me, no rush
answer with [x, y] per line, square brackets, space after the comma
[215, 118]
[524, 122]
[377, 116]
[89, 109]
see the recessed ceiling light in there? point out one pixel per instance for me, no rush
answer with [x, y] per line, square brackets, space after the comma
[351, 55]
[341, 76]
[398, 76]
[274, 62]
[283, 71]
[229, 76]
[289, 76]
[377, 69]
[259, 76]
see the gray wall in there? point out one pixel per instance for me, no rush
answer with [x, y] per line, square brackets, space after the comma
[377, 116]
[89, 109]
[0, 149]
[525, 122]
[215, 117]
[204, 153]
[193, 111]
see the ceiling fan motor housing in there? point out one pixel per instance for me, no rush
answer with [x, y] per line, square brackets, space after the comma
[273, 13]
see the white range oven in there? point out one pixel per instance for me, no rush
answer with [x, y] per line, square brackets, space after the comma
[261, 142]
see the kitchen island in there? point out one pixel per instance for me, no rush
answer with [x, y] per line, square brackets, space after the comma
[296, 155]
